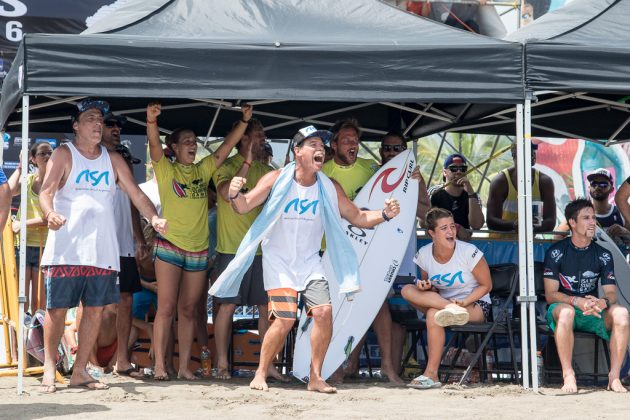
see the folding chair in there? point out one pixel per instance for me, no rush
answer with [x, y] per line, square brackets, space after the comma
[504, 286]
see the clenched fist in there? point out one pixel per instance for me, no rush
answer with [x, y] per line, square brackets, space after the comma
[392, 208]
[235, 186]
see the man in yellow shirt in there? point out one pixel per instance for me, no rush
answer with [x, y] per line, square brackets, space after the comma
[231, 228]
[349, 170]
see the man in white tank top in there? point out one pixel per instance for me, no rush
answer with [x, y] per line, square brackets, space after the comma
[291, 261]
[81, 257]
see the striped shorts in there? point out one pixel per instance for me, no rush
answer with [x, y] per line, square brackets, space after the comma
[283, 302]
[186, 260]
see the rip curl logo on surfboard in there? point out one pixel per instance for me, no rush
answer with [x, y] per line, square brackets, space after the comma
[383, 178]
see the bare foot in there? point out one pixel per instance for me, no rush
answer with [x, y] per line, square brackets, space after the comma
[82, 379]
[392, 376]
[47, 389]
[569, 386]
[162, 375]
[320, 385]
[186, 375]
[615, 385]
[259, 382]
[337, 377]
[272, 372]
[223, 374]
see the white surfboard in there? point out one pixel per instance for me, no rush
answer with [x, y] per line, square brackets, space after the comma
[380, 251]
[622, 269]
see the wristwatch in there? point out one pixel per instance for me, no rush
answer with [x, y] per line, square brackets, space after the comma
[607, 302]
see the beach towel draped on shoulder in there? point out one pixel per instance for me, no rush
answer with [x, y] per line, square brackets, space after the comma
[342, 256]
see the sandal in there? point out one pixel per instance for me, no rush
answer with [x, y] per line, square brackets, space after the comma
[423, 382]
[223, 374]
[87, 385]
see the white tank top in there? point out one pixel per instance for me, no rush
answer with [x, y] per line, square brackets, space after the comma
[291, 249]
[124, 228]
[87, 202]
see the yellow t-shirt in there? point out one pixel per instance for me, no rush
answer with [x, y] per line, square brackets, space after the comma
[184, 196]
[231, 226]
[351, 178]
[36, 235]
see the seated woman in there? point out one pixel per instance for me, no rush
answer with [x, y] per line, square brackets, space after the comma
[452, 290]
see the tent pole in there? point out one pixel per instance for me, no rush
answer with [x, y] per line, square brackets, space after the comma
[437, 156]
[529, 245]
[522, 238]
[22, 269]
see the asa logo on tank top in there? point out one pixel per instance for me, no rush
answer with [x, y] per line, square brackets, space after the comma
[93, 178]
[301, 206]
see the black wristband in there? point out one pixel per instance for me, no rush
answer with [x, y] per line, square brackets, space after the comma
[236, 196]
[246, 122]
[387, 219]
[607, 302]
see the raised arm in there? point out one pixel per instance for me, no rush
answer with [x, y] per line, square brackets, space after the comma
[137, 197]
[365, 218]
[234, 136]
[244, 202]
[14, 180]
[153, 132]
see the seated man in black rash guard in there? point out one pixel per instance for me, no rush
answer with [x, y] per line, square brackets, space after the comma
[574, 267]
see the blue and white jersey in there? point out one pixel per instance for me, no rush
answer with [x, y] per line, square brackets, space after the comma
[454, 280]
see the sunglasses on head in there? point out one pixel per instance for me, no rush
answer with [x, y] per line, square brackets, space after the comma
[600, 184]
[394, 147]
[458, 168]
[86, 104]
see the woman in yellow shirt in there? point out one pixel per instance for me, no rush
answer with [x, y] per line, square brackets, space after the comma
[37, 229]
[181, 254]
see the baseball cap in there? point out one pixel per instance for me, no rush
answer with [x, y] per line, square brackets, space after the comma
[268, 149]
[120, 120]
[600, 172]
[90, 103]
[311, 131]
[454, 159]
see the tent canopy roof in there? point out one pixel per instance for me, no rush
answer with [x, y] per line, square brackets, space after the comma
[282, 50]
[576, 60]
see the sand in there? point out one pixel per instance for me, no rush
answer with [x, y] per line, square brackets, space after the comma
[135, 399]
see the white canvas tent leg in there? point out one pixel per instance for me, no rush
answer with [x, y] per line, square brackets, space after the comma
[529, 244]
[522, 239]
[22, 268]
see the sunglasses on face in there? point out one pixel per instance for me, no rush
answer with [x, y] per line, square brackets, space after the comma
[458, 168]
[394, 147]
[112, 124]
[600, 184]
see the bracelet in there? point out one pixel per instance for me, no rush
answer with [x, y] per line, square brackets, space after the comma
[574, 301]
[47, 214]
[247, 163]
[243, 121]
[387, 219]
[235, 197]
[151, 121]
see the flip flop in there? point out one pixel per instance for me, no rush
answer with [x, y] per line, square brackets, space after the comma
[86, 385]
[451, 316]
[161, 378]
[131, 373]
[47, 389]
[423, 382]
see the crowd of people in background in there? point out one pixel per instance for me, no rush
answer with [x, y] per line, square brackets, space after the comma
[119, 251]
